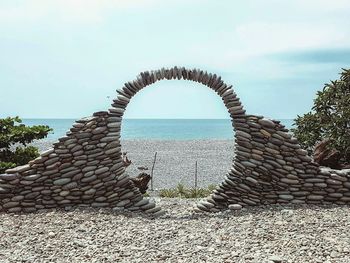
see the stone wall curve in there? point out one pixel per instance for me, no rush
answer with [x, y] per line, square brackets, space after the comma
[85, 168]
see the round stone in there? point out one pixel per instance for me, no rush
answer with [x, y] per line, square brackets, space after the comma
[64, 193]
[315, 197]
[123, 203]
[235, 207]
[10, 204]
[62, 181]
[32, 177]
[289, 181]
[267, 123]
[286, 197]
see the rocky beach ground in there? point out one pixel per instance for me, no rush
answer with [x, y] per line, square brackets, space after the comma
[258, 234]
[255, 234]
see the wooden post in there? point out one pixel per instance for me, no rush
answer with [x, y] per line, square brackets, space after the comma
[195, 177]
[154, 162]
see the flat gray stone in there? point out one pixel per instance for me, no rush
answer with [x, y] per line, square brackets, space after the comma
[148, 206]
[286, 197]
[123, 203]
[289, 181]
[10, 204]
[235, 207]
[315, 197]
[62, 181]
[142, 202]
[267, 123]
[101, 170]
[153, 210]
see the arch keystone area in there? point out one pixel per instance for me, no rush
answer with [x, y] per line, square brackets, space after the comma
[85, 168]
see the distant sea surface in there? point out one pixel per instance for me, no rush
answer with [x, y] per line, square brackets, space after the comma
[159, 129]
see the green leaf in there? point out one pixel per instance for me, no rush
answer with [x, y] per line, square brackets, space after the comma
[13, 132]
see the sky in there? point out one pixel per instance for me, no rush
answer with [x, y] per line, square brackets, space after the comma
[65, 59]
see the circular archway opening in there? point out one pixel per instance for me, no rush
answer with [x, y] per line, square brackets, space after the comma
[191, 147]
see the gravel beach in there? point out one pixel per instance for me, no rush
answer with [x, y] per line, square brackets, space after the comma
[176, 159]
[258, 234]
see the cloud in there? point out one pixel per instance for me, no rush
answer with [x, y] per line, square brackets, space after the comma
[341, 56]
[263, 47]
[275, 26]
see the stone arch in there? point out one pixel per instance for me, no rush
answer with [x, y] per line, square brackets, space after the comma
[85, 168]
[226, 92]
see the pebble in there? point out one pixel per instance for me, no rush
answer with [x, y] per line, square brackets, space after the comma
[286, 197]
[276, 259]
[62, 181]
[235, 207]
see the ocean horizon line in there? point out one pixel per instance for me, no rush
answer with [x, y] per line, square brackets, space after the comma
[173, 129]
[148, 118]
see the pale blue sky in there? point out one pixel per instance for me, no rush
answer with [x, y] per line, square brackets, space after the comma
[62, 59]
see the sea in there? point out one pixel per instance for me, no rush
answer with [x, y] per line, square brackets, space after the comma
[156, 129]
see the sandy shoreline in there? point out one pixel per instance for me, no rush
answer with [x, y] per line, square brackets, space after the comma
[176, 159]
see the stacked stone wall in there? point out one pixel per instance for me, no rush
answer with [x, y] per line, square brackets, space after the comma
[85, 168]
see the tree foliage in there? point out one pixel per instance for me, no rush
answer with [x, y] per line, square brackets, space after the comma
[329, 118]
[14, 137]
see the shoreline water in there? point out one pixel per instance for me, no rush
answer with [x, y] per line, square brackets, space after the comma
[156, 129]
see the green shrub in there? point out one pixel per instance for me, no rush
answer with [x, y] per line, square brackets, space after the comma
[329, 118]
[13, 132]
[181, 191]
[170, 193]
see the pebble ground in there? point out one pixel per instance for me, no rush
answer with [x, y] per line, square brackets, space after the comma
[257, 234]
[261, 234]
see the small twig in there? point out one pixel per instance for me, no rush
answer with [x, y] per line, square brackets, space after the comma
[126, 161]
[154, 162]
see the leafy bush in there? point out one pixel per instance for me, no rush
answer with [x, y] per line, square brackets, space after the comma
[12, 133]
[182, 192]
[329, 118]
